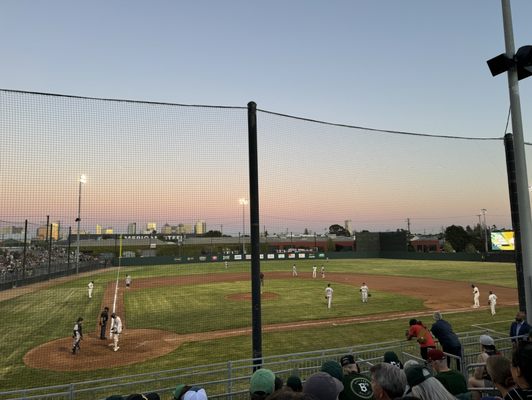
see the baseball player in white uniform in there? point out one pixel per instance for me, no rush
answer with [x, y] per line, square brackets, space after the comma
[322, 271]
[364, 290]
[116, 330]
[294, 270]
[90, 288]
[328, 295]
[314, 271]
[476, 296]
[492, 301]
[128, 281]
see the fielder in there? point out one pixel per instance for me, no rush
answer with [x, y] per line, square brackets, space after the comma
[90, 288]
[128, 281]
[116, 330]
[364, 290]
[294, 270]
[77, 335]
[226, 264]
[328, 295]
[476, 296]
[314, 271]
[322, 271]
[492, 301]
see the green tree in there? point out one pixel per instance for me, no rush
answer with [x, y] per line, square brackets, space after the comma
[457, 236]
[338, 230]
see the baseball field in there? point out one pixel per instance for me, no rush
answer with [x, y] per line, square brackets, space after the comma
[184, 315]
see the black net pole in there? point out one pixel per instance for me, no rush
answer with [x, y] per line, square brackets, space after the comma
[25, 249]
[514, 209]
[50, 251]
[255, 234]
[68, 248]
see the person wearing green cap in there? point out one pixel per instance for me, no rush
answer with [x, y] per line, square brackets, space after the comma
[262, 384]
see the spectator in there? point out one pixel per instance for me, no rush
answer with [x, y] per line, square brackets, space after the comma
[334, 369]
[423, 337]
[293, 382]
[387, 382]
[453, 381]
[186, 392]
[262, 384]
[147, 396]
[443, 331]
[519, 329]
[391, 358]
[500, 370]
[323, 386]
[481, 378]
[424, 386]
[278, 383]
[409, 363]
[356, 385]
[521, 372]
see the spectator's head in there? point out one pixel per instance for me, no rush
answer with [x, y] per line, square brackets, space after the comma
[409, 363]
[278, 383]
[487, 342]
[437, 316]
[387, 381]
[500, 370]
[262, 383]
[323, 386]
[413, 321]
[333, 368]
[349, 364]
[520, 316]
[145, 396]
[391, 358]
[180, 390]
[437, 360]
[415, 374]
[431, 389]
[522, 364]
[293, 382]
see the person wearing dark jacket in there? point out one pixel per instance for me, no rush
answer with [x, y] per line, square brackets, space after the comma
[443, 331]
[519, 328]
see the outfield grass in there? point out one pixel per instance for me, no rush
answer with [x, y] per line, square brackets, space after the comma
[49, 314]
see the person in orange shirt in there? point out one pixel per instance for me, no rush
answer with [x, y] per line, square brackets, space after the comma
[423, 337]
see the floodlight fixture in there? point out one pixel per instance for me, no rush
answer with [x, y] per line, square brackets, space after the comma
[522, 60]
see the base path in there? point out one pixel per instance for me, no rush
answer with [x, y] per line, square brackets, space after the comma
[138, 345]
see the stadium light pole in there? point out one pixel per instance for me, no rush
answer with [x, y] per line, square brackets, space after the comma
[243, 202]
[518, 65]
[483, 211]
[82, 180]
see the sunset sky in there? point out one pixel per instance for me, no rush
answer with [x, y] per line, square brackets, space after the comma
[412, 66]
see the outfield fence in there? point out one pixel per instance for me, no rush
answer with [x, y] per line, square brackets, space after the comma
[230, 380]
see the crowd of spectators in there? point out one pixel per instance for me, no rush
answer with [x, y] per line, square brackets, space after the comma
[430, 378]
[14, 265]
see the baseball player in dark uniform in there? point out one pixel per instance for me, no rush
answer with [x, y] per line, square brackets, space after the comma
[77, 335]
[104, 317]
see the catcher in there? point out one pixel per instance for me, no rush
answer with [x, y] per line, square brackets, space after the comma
[77, 335]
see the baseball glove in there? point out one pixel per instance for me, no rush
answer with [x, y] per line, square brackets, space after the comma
[369, 294]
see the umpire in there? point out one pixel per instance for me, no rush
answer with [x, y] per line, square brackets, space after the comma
[104, 317]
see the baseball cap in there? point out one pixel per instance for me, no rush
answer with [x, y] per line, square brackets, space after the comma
[435, 355]
[262, 380]
[486, 340]
[195, 393]
[333, 368]
[294, 383]
[391, 358]
[347, 360]
[180, 390]
[416, 374]
[323, 386]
